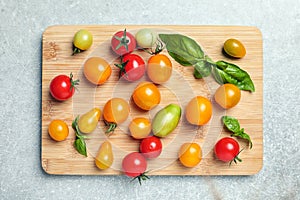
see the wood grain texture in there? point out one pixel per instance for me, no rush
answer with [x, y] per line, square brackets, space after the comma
[62, 158]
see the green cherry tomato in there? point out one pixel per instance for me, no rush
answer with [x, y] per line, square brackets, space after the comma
[82, 41]
[146, 38]
[234, 48]
[166, 120]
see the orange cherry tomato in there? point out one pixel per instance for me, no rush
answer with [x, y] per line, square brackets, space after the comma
[115, 111]
[58, 130]
[198, 111]
[159, 68]
[190, 154]
[97, 70]
[234, 48]
[140, 127]
[146, 96]
[227, 95]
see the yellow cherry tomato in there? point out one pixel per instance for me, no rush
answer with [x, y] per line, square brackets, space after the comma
[198, 111]
[234, 48]
[227, 95]
[97, 70]
[58, 130]
[83, 39]
[190, 154]
[159, 68]
[87, 122]
[146, 96]
[105, 157]
[140, 127]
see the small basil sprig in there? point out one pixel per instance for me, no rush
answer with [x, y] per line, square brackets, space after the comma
[187, 52]
[233, 125]
[79, 142]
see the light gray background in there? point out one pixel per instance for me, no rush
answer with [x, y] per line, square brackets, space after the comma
[21, 28]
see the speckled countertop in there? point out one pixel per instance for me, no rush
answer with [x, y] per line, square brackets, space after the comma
[21, 28]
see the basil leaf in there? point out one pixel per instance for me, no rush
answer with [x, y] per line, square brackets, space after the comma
[75, 122]
[202, 69]
[225, 72]
[233, 125]
[243, 135]
[79, 142]
[80, 146]
[183, 49]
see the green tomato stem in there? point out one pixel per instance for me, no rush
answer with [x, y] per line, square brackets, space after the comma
[76, 50]
[111, 127]
[141, 177]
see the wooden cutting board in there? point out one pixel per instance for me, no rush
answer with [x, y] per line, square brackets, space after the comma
[62, 158]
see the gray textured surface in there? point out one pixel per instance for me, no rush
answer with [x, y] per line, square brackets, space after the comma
[21, 27]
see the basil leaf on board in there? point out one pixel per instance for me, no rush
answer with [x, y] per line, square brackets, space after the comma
[79, 142]
[225, 72]
[183, 49]
[202, 69]
[233, 125]
[243, 135]
[80, 146]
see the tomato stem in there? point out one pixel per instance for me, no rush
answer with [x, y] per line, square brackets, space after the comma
[141, 177]
[111, 127]
[73, 82]
[159, 48]
[123, 41]
[122, 67]
[236, 158]
[76, 50]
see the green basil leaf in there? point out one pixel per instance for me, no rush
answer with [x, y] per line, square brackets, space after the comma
[183, 49]
[231, 123]
[225, 72]
[202, 69]
[75, 122]
[243, 135]
[80, 146]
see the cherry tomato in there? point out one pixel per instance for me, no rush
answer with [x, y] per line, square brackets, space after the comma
[134, 165]
[198, 111]
[190, 154]
[159, 68]
[82, 41]
[58, 130]
[146, 96]
[227, 149]
[132, 67]
[104, 157]
[88, 122]
[146, 38]
[115, 111]
[227, 95]
[123, 42]
[140, 127]
[151, 147]
[96, 70]
[234, 48]
[62, 87]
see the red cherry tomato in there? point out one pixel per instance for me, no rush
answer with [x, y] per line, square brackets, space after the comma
[151, 147]
[132, 67]
[134, 165]
[62, 87]
[123, 42]
[227, 149]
